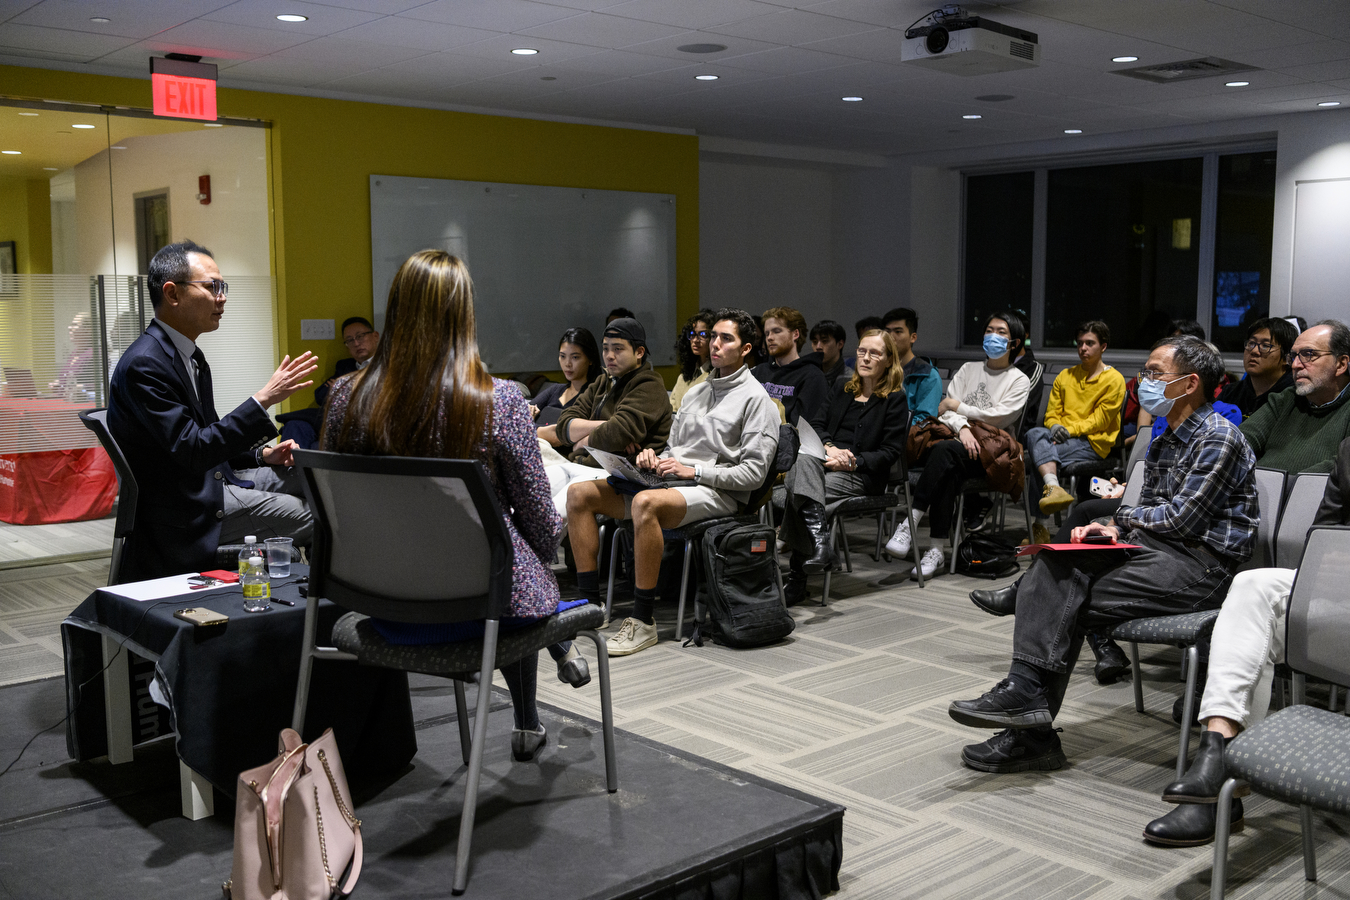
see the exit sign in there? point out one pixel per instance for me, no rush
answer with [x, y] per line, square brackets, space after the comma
[184, 98]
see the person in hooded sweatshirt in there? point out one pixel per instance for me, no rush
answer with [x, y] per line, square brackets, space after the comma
[794, 380]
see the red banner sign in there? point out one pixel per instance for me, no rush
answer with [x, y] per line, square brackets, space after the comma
[184, 98]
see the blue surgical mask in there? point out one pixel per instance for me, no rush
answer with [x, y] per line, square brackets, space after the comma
[995, 345]
[1152, 398]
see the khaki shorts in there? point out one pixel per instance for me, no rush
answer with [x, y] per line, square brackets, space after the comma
[700, 502]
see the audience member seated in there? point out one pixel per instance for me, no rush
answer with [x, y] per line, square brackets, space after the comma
[203, 480]
[1246, 645]
[1195, 524]
[624, 411]
[1265, 362]
[619, 312]
[793, 380]
[1025, 360]
[579, 362]
[302, 426]
[1176, 328]
[691, 355]
[78, 379]
[861, 327]
[1082, 419]
[863, 429]
[723, 440]
[1299, 430]
[427, 393]
[923, 384]
[828, 338]
[993, 392]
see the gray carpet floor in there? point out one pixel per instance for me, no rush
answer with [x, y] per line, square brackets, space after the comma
[852, 708]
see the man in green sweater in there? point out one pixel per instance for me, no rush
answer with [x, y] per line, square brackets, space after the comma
[1299, 430]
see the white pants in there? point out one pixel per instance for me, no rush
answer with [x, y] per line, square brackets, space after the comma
[563, 475]
[1248, 643]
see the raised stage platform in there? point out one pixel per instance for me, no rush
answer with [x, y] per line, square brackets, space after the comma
[679, 827]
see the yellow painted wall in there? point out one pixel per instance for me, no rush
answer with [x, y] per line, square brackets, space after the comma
[322, 153]
[14, 219]
[38, 256]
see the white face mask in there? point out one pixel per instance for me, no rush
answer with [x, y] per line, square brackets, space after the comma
[1153, 399]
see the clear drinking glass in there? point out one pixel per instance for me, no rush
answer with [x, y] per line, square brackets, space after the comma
[279, 557]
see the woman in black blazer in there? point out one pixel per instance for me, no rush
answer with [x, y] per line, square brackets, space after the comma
[864, 427]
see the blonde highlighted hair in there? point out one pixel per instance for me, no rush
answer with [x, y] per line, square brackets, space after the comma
[892, 378]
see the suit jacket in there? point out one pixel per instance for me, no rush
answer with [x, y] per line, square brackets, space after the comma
[180, 453]
[1335, 507]
[879, 439]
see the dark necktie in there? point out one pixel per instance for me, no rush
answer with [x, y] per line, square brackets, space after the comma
[204, 393]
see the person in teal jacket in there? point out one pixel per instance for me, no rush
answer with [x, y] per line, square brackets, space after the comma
[923, 384]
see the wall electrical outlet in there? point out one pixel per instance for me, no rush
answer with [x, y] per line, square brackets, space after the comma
[317, 330]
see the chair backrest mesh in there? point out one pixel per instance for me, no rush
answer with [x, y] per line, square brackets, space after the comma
[1299, 511]
[96, 420]
[1134, 485]
[1319, 608]
[1270, 496]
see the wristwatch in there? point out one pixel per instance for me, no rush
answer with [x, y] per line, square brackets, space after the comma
[698, 474]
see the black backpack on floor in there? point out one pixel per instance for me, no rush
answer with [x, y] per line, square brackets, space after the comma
[985, 556]
[744, 606]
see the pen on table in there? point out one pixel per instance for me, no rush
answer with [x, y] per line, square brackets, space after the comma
[283, 602]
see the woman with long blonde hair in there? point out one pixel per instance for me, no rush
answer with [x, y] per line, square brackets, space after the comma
[863, 426]
[426, 393]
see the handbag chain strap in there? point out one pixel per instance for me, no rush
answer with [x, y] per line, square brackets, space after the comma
[352, 820]
[323, 845]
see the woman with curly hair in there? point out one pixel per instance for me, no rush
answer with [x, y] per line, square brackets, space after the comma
[691, 350]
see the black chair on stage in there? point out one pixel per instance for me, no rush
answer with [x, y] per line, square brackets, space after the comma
[1298, 754]
[424, 541]
[692, 534]
[96, 420]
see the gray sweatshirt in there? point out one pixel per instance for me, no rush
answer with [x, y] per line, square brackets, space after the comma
[729, 426]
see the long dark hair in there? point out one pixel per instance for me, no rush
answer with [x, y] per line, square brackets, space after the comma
[583, 338]
[427, 361]
[684, 354]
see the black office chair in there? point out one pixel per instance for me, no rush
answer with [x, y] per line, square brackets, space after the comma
[96, 420]
[424, 541]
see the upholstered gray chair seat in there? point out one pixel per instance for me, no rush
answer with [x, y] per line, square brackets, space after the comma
[1180, 630]
[1300, 754]
[865, 504]
[355, 634]
[1086, 467]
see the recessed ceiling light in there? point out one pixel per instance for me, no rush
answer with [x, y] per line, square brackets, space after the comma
[524, 51]
[701, 48]
[1073, 131]
[851, 99]
[118, 147]
[82, 126]
[100, 20]
[705, 77]
[11, 152]
[1237, 84]
[972, 116]
[28, 114]
[212, 125]
[1124, 59]
[292, 18]
[1330, 103]
[50, 169]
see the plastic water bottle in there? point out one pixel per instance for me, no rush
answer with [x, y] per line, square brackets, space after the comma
[257, 589]
[250, 550]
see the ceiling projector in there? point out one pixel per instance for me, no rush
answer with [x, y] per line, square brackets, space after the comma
[950, 40]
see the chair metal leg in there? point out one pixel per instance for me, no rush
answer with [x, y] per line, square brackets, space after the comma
[462, 715]
[606, 709]
[843, 536]
[1222, 823]
[956, 531]
[613, 561]
[1305, 821]
[1188, 708]
[876, 554]
[1333, 698]
[829, 570]
[1138, 677]
[476, 756]
[1300, 689]
[306, 665]
[913, 533]
[684, 586]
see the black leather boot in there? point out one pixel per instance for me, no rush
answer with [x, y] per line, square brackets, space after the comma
[1191, 825]
[794, 588]
[998, 602]
[1111, 660]
[1206, 775]
[813, 517]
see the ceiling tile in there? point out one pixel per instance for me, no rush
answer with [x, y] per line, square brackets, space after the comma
[879, 44]
[422, 35]
[792, 26]
[603, 31]
[263, 14]
[788, 60]
[69, 44]
[282, 71]
[1312, 52]
[692, 13]
[223, 40]
[134, 20]
[384, 7]
[670, 47]
[874, 12]
[493, 15]
[550, 51]
[1322, 71]
[366, 54]
[622, 63]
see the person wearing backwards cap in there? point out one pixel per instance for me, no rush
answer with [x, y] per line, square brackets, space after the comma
[624, 411]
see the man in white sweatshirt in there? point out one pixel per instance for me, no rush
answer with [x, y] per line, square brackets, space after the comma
[723, 439]
[992, 392]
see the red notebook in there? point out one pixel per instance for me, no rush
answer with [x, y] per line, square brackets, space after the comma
[1037, 548]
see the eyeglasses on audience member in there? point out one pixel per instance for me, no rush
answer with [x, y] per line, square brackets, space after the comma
[1308, 356]
[691, 334]
[217, 287]
[1261, 347]
[353, 340]
[1155, 375]
[865, 353]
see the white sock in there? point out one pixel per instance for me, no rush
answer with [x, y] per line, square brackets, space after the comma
[1051, 480]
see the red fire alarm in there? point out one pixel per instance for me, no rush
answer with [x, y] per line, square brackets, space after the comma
[204, 190]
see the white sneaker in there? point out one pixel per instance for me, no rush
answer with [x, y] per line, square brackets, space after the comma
[930, 564]
[634, 635]
[899, 543]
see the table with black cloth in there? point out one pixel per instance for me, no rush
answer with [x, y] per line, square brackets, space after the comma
[229, 688]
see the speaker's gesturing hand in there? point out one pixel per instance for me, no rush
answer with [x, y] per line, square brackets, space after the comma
[287, 379]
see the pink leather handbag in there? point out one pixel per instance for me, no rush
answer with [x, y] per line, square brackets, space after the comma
[294, 831]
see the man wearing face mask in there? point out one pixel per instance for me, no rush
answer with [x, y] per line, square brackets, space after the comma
[1194, 525]
[993, 392]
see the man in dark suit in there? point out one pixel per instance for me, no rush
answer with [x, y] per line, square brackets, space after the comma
[302, 425]
[203, 480]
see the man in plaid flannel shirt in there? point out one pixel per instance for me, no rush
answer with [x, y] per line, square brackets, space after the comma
[1195, 524]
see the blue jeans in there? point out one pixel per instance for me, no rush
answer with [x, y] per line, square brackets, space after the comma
[1041, 450]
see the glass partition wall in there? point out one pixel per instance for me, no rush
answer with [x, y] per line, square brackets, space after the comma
[87, 195]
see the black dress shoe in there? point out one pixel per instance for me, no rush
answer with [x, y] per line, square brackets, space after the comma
[1191, 825]
[794, 589]
[1027, 750]
[1111, 660]
[998, 602]
[1206, 775]
[1008, 705]
[814, 518]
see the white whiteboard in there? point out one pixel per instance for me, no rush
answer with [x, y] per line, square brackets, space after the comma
[1321, 278]
[543, 259]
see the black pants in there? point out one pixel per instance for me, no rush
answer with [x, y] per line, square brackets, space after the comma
[947, 466]
[1083, 513]
[1064, 595]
